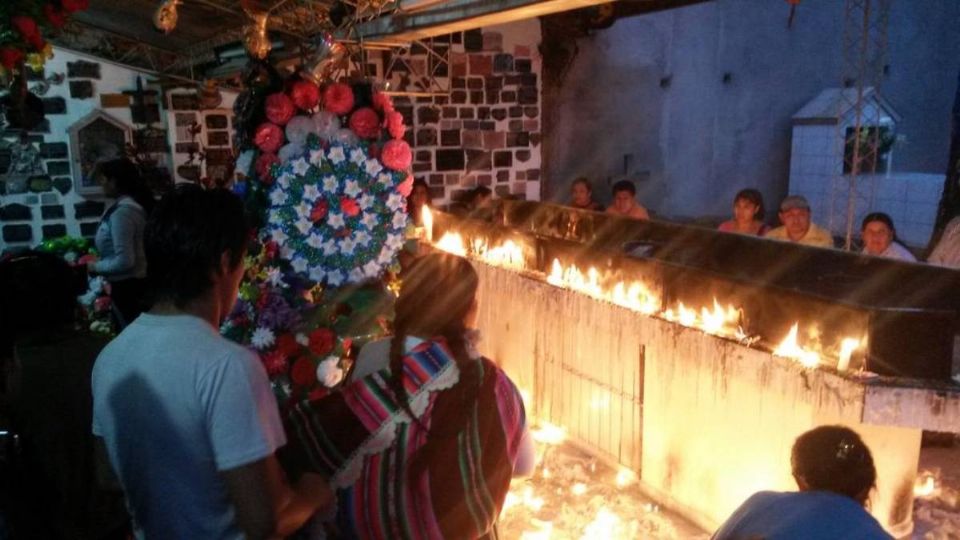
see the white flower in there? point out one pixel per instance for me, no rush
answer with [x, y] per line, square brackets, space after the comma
[278, 236]
[330, 184]
[335, 277]
[284, 180]
[315, 241]
[262, 338]
[316, 156]
[311, 193]
[329, 372]
[303, 210]
[395, 202]
[299, 264]
[300, 166]
[358, 157]
[275, 277]
[362, 238]
[367, 200]
[317, 273]
[278, 197]
[352, 188]
[303, 225]
[335, 155]
[335, 221]
[347, 245]
[329, 247]
[286, 252]
[302, 339]
[371, 269]
[369, 220]
[385, 179]
[356, 275]
[70, 257]
[399, 221]
[373, 166]
[394, 241]
[386, 256]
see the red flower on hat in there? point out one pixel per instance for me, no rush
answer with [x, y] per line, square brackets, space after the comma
[349, 206]
[365, 123]
[287, 345]
[319, 211]
[268, 137]
[396, 155]
[395, 124]
[56, 17]
[10, 57]
[406, 186]
[275, 362]
[26, 26]
[279, 108]
[305, 95]
[322, 341]
[263, 167]
[382, 102]
[303, 372]
[338, 98]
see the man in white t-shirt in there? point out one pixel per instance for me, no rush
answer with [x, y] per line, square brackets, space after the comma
[187, 418]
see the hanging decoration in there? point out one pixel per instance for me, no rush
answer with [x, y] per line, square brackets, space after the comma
[24, 26]
[165, 18]
[793, 11]
[327, 55]
[255, 38]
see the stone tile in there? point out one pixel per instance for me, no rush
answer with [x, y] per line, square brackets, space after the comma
[479, 160]
[531, 112]
[450, 160]
[493, 140]
[435, 180]
[458, 96]
[54, 105]
[502, 63]
[516, 112]
[518, 188]
[452, 179]
[492, 41]
[450, 137]
[458, 82]
[521, 50]
[469, 182]
[58, 168]
[483, 113]
[521, 138]
[508, 96]
[15, 212]
[56, 150]
[426, 137]
[422, 167]
[503, 159]
[493, 83]
[53, 211]
[473, 40]
[423, 155]
[89, 229]
[531, 125]
[523, 156]
[17, 233]
[485, 180]
[533, 174]
[81, 89]
[481, 64]
[82, 69]
[476, 97]
[522, 65]
[449, 112]
[503, 176]
[451, 124]
[498, 114]
[471, 138]
[493, 98]
[501, 191]
[40, 184]
[467, 113]
[475, 83]
[428, 115]
[490, 126]
[88, 209]
[528, 95]
[54, 231]
[515, 125]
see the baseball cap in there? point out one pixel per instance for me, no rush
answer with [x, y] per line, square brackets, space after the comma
[794, 201]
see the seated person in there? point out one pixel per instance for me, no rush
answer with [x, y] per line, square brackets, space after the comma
[457, 425]
[835, 473]
[625, 202]
[797, 228]
[879, 238]
[947, 251]
[748, 214]
[581, 196]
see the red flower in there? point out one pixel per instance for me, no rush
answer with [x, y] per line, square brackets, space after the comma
[382, 102]
[268, 137]
[287, 345]
[275, 362]
[26, 26]
[56, 17]
[338, 98]
[395, 125]
[373, 151]
[303, 372]
[347, 343]
[71, 6]
[279, 108]
[322, 341]
[305, 95]
[365, 123]
[319, 211]
[101, 304]
[270, 249]
[406, 186]
[396, 155]
[10, 57]
[349, 206]
[263, 165]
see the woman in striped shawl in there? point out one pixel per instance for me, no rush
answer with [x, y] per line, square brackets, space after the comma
[423, 444]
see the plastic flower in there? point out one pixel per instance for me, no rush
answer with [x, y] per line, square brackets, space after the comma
[10, 58]
[395, 125]
[56, 17]
[72, 6]
[305, 95]
[382, 102]
[396, 155]
[338, 98]
[349, 206]
[319, 211]
[322, 341]
[365, 123]
[303, 373]
[268, 137]
[262, 338]
[406, 186]
[264, 164]
[329, 372]
[279, 108]
[287, 344]
[275, 362]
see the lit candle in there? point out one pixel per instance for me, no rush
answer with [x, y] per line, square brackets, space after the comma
[427, 223]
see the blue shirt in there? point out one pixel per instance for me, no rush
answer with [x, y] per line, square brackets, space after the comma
[807, 515]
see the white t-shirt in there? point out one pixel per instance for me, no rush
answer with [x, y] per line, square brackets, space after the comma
[175, 404]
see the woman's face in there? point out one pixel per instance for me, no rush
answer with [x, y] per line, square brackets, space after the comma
[581, 195]
[744, 210]
[877, 237]
[109, 185]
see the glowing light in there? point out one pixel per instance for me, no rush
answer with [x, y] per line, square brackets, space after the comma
[452, 243]
[636, 296]
[789, 348]
[548, 433]
[545, 473]
[847, 347]
[427, 216]
[625, 477]
[925, 484]
[578, 489]
[544, 530]
[603, 526]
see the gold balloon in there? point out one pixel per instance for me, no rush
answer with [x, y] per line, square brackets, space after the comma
[255, 38]
[165, 19]
[328, 54]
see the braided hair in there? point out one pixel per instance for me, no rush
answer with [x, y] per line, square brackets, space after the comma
[438, 293]
[834, 458]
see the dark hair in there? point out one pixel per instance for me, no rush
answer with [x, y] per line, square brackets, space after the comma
[126, 175]
[586, 183]
[419, 182]
[437, 293]
[185, 237]
[38, 291]
[624, 185]
[882, 218]
[756, 198]
[477, 193]
[834, 458]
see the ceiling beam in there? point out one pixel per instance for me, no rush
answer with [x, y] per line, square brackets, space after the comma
[459, 15]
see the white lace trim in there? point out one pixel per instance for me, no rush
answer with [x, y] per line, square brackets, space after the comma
[381, 439]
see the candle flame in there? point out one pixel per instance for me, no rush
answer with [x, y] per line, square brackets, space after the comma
[847, 347]
[452, 243]
[790, 348]
[427, 217]
[625, 477]
[578, 489]
[925, 484]
[603, 526]
[548, 433]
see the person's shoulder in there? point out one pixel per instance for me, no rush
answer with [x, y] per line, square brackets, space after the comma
[726, 226]
[900, 252]
[777, 233]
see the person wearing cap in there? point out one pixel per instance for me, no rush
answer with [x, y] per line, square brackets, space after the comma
[797, 227]
[879, 238]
